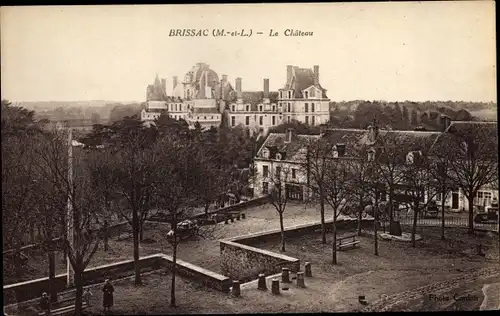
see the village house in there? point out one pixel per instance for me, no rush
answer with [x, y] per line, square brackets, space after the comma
[288, 152]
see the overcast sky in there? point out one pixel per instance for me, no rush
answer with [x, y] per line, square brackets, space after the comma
[373, 51]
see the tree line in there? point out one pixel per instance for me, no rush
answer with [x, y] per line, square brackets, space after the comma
[124, 170]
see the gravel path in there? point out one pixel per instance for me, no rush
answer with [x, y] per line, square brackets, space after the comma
[392, 302]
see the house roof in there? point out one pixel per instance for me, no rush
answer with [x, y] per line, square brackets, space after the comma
[292, 150]
[409, 140]
[302, 78]
[485, 131]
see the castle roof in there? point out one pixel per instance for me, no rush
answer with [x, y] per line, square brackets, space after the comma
[302, 78]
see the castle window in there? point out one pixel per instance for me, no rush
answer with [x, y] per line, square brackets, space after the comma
[306, 107]
[233, 121]
[265, 171]
[289, 94]
[205, 117]
[288, 118]
[294, 173]
[313, 120]
[371, 154]
[312, 107]
[274, 120]
[247, 108]
[260, 108]
[261, 120]
[306, 94]
[247, 120]
[274, 108]
[289, 107]
[307, 120]
[233, 108]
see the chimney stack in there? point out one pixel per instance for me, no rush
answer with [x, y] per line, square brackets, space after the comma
[289, 73]
[289, 135]
[239, 94]
[164, 85]
[266, 88]
[224, 79]
[175, 81]
[316, 74]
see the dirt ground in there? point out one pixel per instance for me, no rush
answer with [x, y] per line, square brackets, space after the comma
[397, 269]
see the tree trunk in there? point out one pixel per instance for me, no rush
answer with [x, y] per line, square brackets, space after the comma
[106, 235]
[334, 244]
[207, 205]
[282, 227]
[141, 230]
[414, 226]
[19, 272]
[471, 214]
[375, 228]
[322, 211]
[52, 274]
[174, 270]
[360, 214]
[79, 289]
[135, 231]
[391, 211]
[443, 200]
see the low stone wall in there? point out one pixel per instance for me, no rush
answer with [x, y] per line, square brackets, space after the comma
[245, 263]
[241, 261]
[32, 289]
[237, 207]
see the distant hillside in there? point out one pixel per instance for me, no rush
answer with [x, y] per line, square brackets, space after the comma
[407, 115]
[50, 105]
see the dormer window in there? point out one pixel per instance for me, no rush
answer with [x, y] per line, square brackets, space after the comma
[371, 154]
[233, 108]
[260, 107]
[278, 156]
[335, 152]
[306, 95]
[410, 158]
[247, 108]
[289, 94]
[274, 108]
[265, 153]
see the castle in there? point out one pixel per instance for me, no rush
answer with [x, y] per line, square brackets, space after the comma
[204, 98]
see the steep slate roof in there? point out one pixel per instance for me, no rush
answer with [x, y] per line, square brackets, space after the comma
[302, 78]
[254, 98]
[486, 131]
[410, 140]
[277, 142]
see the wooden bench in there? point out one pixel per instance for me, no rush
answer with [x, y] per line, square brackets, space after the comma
[346, 242]
[66, 310]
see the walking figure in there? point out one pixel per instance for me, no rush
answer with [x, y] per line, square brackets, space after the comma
[86, 296]
[107, 300]
[45, 303]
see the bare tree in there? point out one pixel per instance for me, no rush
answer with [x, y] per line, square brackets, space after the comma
[75, 181]
[419, 183]
[475, 161]
[318, 154]
[175, 189]
[358, 184]
[337, 193]
[439, 170]
[278, 196]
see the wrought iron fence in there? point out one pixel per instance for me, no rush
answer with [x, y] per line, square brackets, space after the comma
[450, 221]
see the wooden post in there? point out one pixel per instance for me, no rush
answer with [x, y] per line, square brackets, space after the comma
[300, 279]
[275, 287]
[307, 268]
[262, 282]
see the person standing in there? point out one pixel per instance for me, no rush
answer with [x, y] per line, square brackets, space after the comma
[86, 296]
[45, 304]
[107, 300]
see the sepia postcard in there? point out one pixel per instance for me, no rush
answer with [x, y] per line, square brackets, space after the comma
[249, 158]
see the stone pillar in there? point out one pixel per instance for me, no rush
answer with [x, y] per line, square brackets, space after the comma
[262, 285]
[307, 268]
[275, 287]
[300, 280]
[285, 275]
[235, 290]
